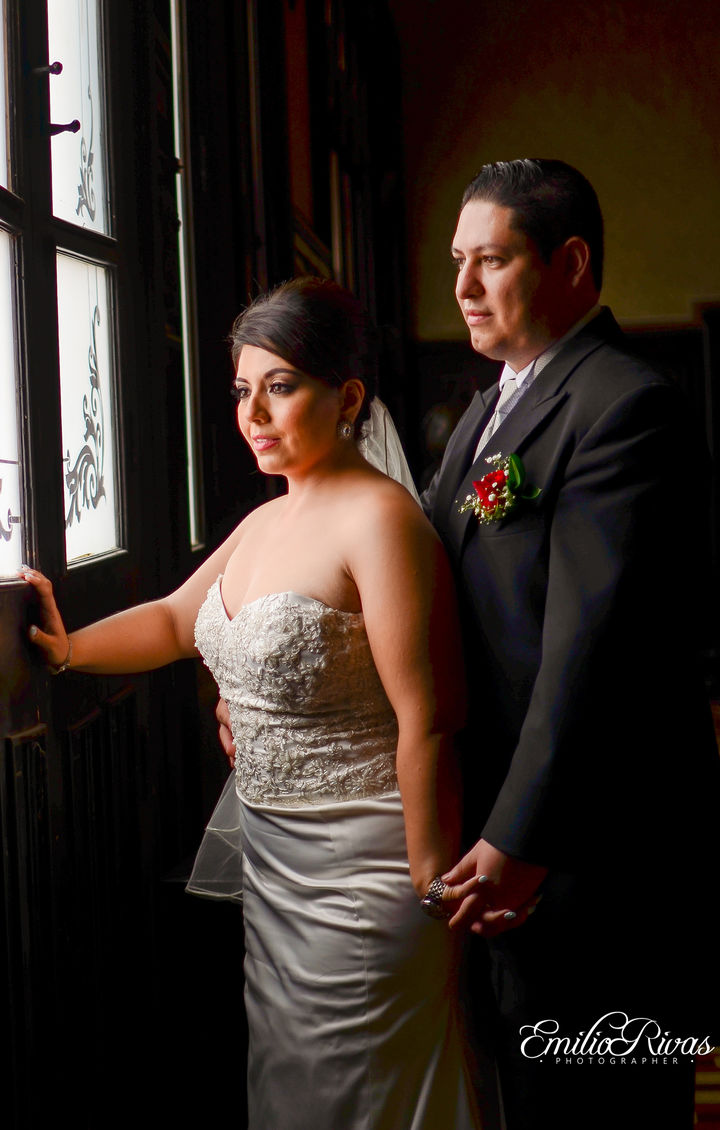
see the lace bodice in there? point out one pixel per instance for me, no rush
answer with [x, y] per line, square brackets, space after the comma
[311, 720]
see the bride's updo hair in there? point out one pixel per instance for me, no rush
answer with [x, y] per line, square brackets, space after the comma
[318, 327]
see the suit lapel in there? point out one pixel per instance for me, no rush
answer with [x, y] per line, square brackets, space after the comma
[522, 424]
[513, 435]
[461, 445]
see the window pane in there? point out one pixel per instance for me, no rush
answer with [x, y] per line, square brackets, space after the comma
[4, 172]
[87, 404]
[11, 537]
[79, 167]
[185, 271]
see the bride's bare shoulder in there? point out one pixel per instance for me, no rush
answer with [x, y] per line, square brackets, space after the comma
[258, 517]
[384, 504]
[389, 543]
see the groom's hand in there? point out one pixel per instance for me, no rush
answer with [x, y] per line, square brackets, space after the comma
[497, 891]
[224, 732]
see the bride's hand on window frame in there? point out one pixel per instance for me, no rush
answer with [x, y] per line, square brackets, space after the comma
[49, 634]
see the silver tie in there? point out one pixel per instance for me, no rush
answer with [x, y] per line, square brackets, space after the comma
[507, 392]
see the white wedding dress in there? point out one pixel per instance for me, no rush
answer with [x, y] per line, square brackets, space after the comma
[349, 988]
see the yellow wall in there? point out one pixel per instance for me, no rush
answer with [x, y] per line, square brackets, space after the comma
[626, 90]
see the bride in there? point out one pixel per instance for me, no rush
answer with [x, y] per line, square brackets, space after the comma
[328, 620]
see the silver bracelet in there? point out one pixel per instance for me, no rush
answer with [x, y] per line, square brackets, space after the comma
[65, 663]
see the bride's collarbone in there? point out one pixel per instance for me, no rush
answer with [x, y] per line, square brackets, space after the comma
[315, 538]
[308, 560]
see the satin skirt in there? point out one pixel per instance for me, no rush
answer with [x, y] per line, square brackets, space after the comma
[350, 990]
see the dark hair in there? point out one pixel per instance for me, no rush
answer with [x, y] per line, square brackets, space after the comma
[551, 201]
[317, 326]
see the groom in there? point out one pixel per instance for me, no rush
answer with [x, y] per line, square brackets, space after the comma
[591, 773]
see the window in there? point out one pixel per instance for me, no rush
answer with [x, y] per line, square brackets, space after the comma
[11, 467]
[56, 188]
[78, 109]
[89, 435]
[76, 454]
[186, 272]
[11, 521]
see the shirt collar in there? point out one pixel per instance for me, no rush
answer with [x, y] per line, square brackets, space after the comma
[538, 363]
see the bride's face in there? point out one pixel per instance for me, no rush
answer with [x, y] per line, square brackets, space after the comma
[289, 420]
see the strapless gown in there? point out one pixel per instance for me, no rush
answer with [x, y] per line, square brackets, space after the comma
[349, 989]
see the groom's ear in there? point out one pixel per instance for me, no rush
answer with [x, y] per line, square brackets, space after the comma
[352, 394]
[575, 254]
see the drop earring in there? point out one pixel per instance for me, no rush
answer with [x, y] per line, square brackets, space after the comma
[345, 429]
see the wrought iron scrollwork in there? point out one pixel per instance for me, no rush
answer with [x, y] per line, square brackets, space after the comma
[86, 189]
[68, 127]
[85, 481]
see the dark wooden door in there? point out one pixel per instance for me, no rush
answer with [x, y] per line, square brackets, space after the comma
[98, 777]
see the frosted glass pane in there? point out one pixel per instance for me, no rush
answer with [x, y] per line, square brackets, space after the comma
[79, 177]
[87, 404]
[11, 533]
[4, 175]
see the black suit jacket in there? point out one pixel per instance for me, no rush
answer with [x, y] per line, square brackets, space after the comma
[589, 744]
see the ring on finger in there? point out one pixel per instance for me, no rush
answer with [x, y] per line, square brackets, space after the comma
[432, 904]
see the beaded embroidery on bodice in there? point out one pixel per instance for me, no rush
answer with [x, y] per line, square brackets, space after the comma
[310, 718]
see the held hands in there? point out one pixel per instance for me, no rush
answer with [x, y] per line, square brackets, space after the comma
[51, 638]
[495, 891]
[489, 892]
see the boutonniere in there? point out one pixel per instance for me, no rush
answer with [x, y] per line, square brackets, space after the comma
[500, 491]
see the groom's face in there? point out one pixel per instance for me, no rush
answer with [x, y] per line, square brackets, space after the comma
[510, 299]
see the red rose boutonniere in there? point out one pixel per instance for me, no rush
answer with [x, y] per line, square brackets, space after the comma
[500, 491]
